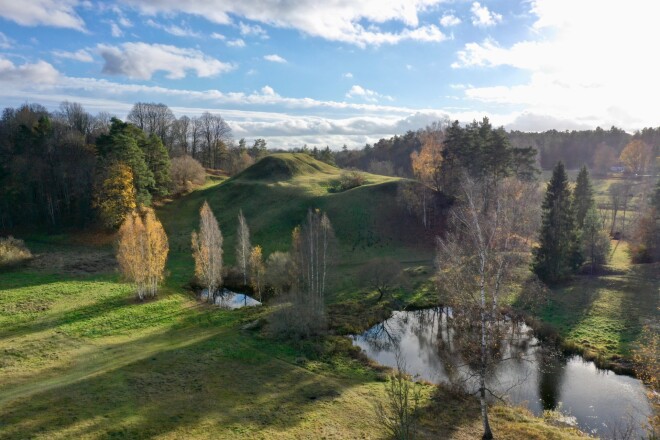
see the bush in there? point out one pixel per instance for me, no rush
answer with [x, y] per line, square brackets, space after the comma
[186, 173]
[347, 180]
[13, 251]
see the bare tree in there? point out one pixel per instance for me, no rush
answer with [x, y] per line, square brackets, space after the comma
[487, 239]
[619, 198]
[381, 274]
[207, 251]
[153, 118]
[186, 173]
[401, 411]
[75, 117]
[243, 246]
[279, 272]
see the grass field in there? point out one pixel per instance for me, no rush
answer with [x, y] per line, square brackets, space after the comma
[80, 358]
[604, 315]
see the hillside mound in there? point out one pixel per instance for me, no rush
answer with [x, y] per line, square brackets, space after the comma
[285, 166]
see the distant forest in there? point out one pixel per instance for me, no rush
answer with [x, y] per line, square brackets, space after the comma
[58, 167]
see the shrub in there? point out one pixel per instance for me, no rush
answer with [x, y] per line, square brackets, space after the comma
[13, 251]
[186, 173]
[347, 180]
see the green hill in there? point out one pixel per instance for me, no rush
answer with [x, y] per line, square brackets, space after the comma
[275, 194]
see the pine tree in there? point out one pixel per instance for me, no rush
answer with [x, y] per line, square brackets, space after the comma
[583, 197]
[158, 162]
[557, 254]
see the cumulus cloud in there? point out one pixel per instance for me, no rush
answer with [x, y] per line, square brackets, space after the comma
[80, 55]
[252, 30]
[449, 20]
[56, 13]
[37, 73]
[236, 43]
[334, 20]
[274, 58]
[483, 17]
[142, 60]
[572, 66]
[366, 94]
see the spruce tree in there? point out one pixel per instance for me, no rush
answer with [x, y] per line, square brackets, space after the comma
[158, 162]
[556, 256]
[583, 197]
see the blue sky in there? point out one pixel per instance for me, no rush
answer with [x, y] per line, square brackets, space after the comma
[339, 72]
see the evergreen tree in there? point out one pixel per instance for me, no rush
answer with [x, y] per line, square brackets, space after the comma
[121, 145]
[158, 162]
[583, 197]
[557, 254]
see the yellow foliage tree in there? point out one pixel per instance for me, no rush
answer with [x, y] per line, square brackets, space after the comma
[142, 252]
[427, 163]
[637, 156]
[257, 269]
[207, 251]
[115, 197]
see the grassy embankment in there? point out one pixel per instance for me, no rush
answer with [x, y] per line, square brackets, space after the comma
[79, 358]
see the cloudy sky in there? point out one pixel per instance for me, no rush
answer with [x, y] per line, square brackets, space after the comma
[337, 72]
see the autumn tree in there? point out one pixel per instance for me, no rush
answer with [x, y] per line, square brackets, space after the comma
[381, 274]
[645, 237]
[142, 252]
[486, 242]
[185, 174]
[115, 197]
[257, 269]
[427, 163]
[279, 272]
[557, 254]
[604, 158]
[637, 157]
[207, 251]
[243, 247]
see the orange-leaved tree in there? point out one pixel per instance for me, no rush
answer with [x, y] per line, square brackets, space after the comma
[115, 197]
[637, 156]
[142, 252]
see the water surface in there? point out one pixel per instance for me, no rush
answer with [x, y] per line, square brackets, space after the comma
[530, 375]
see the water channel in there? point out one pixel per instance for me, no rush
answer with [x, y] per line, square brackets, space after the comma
[595, 400]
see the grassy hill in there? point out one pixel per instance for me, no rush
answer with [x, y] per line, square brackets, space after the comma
[275, 194]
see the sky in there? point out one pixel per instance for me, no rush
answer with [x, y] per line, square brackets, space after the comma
[340, 72]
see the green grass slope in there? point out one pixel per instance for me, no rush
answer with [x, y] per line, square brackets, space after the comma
[275, 195]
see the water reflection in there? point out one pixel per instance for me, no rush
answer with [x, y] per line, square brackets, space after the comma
[433, 347]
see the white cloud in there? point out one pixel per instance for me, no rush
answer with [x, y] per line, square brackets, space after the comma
[56, 13]
[366, 94]
[80, 55]
[236, 43]
[348, 75]
[252, 30]
[115, 30]
[579, 69]
[142, 60]
[268, 90]
[449, 20]
[38, 73]
[5, 41]
[335, 20]
[172, 29]
[274, 58]
[217, 36]
[483, 17]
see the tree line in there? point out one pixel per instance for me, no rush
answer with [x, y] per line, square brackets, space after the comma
[69, 168]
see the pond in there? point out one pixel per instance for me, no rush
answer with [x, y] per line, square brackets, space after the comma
[231, 300]
[595, 400]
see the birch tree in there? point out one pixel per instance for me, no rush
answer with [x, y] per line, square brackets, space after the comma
[257, 269]
[207, 251]
[487, 239]
[142, 252]
[243, 246]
